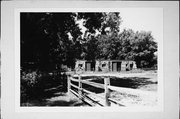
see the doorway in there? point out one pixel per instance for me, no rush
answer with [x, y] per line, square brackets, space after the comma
[116, 66]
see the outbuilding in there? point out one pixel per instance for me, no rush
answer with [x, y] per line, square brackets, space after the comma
[105, 65]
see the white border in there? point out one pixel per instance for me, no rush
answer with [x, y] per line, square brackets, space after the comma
[158, 108]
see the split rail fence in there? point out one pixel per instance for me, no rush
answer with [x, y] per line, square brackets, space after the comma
[87, 96]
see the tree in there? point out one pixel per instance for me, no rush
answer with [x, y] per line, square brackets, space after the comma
[103, 45]
[139, 46]
[92, 21]
[108, 41]
[53, 39]
[145, 47]
[128, 45]
[126, 38]
[111, 20]
[108, 46]
[45, 39]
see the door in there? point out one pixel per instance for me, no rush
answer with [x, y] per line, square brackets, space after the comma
[93, 66]
[88, 66]
[118, 66]
[114, 67]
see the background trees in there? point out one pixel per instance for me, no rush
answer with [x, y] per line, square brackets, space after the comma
[50, 40]
[103, 42]
[129, 45]
[138, 46]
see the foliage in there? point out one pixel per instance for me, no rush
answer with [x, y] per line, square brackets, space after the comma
[50, 40]
[112, 20]
[90, 48]
[102, 46]
[45, 39]
[92, 21]
[139, 46]
[29, 85]
[128, 45]
[108, 47]
[35, 83]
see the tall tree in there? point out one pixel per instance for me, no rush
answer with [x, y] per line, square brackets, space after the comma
[108, 41]
[111, 20]
[138, 46]
[52, 39]
[145, 47]
[45, 39]
[92, 21]
[90, 48]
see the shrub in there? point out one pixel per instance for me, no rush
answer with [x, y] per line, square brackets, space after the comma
[30, 84]
[35, 83]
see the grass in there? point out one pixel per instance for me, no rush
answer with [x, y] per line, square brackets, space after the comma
[54, 93]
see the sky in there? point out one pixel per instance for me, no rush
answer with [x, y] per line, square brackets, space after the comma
[141, 19]
[147, 19]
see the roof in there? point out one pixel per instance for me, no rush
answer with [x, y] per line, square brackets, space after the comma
[105, 60]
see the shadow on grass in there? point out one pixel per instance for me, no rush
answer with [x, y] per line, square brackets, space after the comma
[66, 103]
[34, 103]
[88, 87]
[130, 82]
[46, 99]
[126, 82]
[45, 89]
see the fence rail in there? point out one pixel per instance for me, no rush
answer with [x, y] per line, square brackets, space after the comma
[97, 85]
[91, 97]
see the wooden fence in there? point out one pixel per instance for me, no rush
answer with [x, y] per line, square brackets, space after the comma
[84, 94]
[88, 96]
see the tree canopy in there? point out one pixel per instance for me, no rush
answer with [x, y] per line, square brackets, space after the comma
[53, 39]
[50, 40]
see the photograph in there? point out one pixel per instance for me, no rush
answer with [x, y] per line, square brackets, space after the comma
[84, 59]
[90, 59]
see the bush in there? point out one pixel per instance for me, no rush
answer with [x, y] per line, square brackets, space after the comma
[35, 83]
[30, 84]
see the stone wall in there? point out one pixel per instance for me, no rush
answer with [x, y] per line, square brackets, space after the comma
[123, 65]
[102, 66]
[80, 65]
[128, 65]
[97, 66]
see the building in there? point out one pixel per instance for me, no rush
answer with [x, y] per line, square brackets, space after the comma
[105, 65]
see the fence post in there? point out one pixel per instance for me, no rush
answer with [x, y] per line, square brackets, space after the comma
[80, 86]
[68, 84]
[107, 92]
